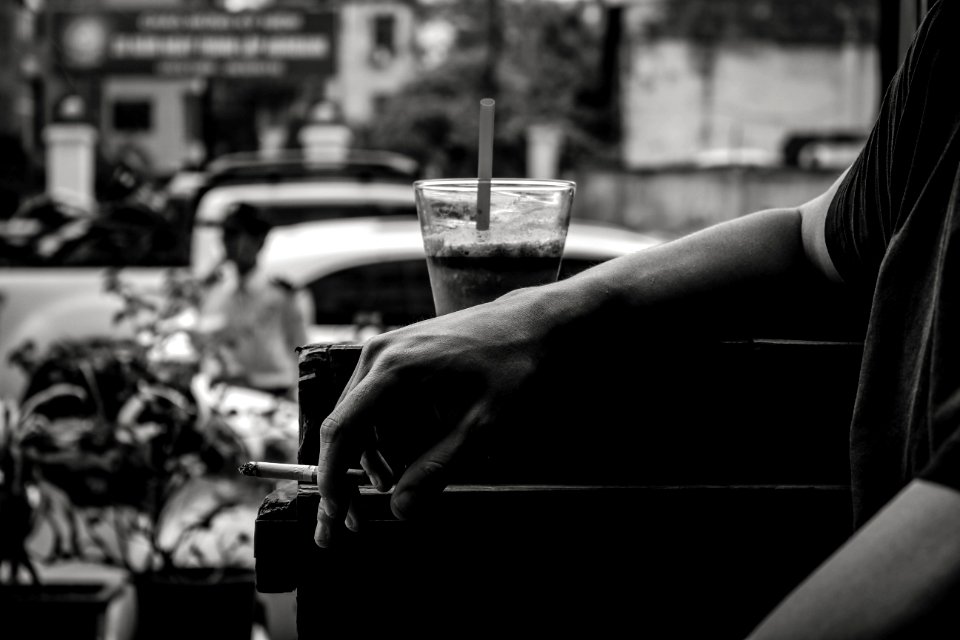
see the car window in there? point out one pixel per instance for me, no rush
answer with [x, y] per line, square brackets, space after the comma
[399, 291]
[394, 293]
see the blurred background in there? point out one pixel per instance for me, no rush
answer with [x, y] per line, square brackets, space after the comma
[129, 128]
[646, 103]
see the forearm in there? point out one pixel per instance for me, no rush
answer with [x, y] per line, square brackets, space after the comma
[897, 577]
[688, 280]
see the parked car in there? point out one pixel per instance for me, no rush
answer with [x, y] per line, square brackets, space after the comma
[55, 254]
[288, 203]
[304, 185]
[830, 150]
[350, 240]
[362, 164]
[364, 275]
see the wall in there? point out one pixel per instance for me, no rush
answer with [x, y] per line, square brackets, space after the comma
[682, 199]
[166, 143]
[679, 100]
[360, 79]
[364, 74]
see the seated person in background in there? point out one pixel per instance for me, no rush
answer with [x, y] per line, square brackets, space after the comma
[255, 322]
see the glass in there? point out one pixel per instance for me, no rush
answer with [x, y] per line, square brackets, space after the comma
[523, 246]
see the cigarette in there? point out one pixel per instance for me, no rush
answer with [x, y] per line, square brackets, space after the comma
[281, 471]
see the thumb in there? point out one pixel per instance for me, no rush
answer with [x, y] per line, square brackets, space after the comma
[420, 486]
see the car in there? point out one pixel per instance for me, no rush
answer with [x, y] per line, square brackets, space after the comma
[736, 157]
[288, 203]
[829, 150]
[365, 275]
[304, 185]
[288, 164]
[350, 240]
[55, 256]
[358, 254]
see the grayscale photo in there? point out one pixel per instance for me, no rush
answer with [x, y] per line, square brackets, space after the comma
[324, 319]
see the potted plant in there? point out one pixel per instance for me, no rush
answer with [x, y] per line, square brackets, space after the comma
[135, 458]
[50, 604]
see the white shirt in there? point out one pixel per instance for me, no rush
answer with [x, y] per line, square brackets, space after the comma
[255, 326]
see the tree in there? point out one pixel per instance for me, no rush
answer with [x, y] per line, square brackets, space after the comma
[541, 64]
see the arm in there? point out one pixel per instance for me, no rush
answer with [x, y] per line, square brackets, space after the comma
[700, 270]
[898, 576]
[493, 349]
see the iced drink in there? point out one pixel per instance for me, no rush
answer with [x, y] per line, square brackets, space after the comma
[522, 247]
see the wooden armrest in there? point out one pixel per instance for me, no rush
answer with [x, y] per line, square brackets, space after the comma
[715, 478]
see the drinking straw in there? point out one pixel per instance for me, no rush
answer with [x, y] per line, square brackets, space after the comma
[485, 162]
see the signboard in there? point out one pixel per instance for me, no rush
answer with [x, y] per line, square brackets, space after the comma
[285, 43]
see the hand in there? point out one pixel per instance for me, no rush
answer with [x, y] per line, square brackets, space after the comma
[465, 368]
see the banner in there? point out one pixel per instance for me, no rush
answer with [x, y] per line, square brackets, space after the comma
[286, 43]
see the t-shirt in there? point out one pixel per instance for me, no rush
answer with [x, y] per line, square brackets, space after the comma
[893, 232]
[257, 326]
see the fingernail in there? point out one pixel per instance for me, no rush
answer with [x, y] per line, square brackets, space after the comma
[322, 535]
[352, 523]
[328, 507]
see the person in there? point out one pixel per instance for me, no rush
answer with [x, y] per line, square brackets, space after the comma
[888, 229]
[255, 322]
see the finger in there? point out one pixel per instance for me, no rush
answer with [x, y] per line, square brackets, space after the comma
[377, 469]
[344, 435]
[327, 524]
[352, 521]
[425, 479]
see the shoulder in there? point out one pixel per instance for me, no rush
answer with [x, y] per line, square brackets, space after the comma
[284, 291]
[814, 230]
[283, 285]
[218, 285]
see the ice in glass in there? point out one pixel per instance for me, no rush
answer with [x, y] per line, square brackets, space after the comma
[522, 247]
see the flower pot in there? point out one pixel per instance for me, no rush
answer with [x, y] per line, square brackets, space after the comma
[75, 610]
[196, 603]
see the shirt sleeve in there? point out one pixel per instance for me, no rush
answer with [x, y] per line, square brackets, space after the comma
[917, 115]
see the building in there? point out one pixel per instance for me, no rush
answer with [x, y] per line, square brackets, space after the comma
[174, 82]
